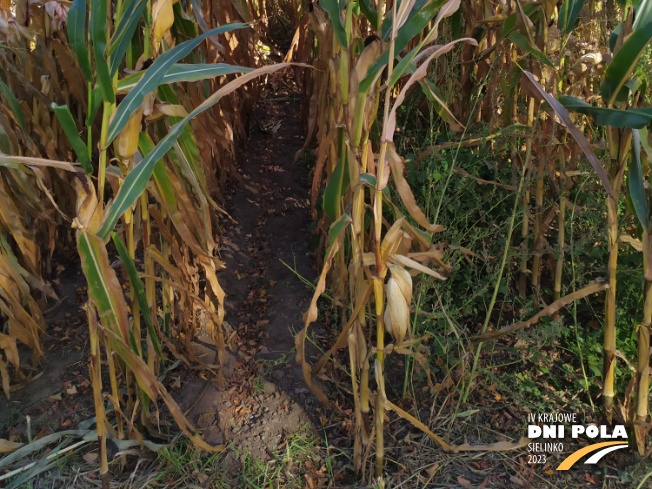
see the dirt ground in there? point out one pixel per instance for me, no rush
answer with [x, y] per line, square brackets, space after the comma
[265, 298]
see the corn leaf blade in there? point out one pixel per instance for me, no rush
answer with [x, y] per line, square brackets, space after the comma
[77, 36]
[138, 291]
[634, 118]
[70, 129]
[136, 180]
[620, 68]
[568, 14]
[98, 36]
[635, 182]
[132, 11]
[154, 75]
[103, 287]
[184, 73]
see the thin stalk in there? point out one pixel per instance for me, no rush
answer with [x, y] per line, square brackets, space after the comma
[106, 116]
[525, 204]
[538, 219]
[381, 270]
[643, 363]
[620, 147]
[561, 236]
[496, 287]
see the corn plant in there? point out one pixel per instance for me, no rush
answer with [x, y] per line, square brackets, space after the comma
[365, 52]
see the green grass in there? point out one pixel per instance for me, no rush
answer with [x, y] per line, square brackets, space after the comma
[183, 466]
[555, 362]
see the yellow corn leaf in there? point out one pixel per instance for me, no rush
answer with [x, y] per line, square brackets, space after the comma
[368, 56]
[418, 424]
[392, 239]
[415, 265]
[25, 160]
[311, 314]
[148, 381]
[169, 110]
[501, 446]
[8, 344]
[404, 190]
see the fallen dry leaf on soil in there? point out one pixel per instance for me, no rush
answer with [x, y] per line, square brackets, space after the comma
[7, 446]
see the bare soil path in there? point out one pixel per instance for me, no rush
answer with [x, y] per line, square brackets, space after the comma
[266, 251]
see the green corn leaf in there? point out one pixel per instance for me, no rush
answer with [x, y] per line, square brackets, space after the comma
[77, 36]
[336, 187]
[643, 14]
[634, 118]
[183, 73]
[98, 36]
[96, 102]
[635, 182]
[185, 28]
[333, 10]
[132, 11]
[522, 41]
[138, 291]
[645, 143]
[568, 15]
[70, 128]
[370, 180]
[403, 65]
[167, 194]
[624, 62]
[103, 286]
[337, 228]
[369, 11]
[136, 180]
[190, 165]
[14, 105]
[420, 11]
[155, 74]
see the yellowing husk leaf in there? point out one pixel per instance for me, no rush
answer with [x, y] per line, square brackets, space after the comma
[404, 281]
[398, 310]
[392, 239]
[388, 322]
[89, 213]
[162, 19]
[161, 110]
[128, 137]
